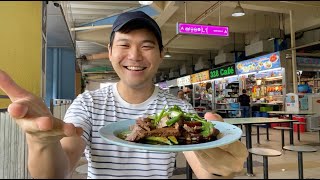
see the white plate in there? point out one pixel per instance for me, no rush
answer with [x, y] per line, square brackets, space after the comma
[230, 134]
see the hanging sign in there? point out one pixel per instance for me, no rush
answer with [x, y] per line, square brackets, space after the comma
[201, 76]
[201, 29]
[222, 72]
[265, 62]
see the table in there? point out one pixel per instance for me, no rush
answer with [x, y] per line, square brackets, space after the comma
[227, 110]
[248, 123]
[291, 113]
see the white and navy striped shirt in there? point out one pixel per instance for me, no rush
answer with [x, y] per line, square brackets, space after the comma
[95, 109]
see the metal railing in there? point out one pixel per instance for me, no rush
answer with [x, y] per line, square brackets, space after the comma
[58, 107]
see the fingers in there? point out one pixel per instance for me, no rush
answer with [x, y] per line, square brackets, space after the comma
[213, 117]
[218, 161]
[10, 87]
[236, 149]
[17, 110]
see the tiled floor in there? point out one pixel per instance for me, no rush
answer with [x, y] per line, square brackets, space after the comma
[282, 167]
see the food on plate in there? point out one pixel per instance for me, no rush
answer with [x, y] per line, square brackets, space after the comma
[273, 58]
[239, 66]
[171, 126]
[268, 65]
[260, 63]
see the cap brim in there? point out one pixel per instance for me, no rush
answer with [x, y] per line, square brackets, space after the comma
[137, 20]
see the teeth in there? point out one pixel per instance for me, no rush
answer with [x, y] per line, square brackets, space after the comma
[135, 68]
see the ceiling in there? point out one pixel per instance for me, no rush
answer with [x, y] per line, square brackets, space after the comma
[93, 21]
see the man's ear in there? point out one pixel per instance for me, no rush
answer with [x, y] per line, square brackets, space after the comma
[162, 55]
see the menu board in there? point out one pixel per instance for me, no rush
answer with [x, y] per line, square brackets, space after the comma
[184, 81]
[265, 62]
[201, 76]
[222, 72]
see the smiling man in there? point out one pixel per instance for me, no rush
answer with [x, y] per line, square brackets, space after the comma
[55, 146]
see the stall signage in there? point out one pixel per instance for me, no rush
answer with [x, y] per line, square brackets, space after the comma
[184, 81]
[200, 29]
[222, 72]
[265, 62]
[172, 83]
[163, 85]
[308, 61]
[201, 76]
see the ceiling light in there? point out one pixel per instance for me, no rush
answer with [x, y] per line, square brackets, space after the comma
[167, 54]
[238, 11]
[146, 3]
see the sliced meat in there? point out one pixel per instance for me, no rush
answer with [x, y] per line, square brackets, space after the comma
[137, 133]
[164, 132]
[144, 123]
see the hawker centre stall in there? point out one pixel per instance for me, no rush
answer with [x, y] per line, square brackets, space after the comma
[267, 79]
[225, 85]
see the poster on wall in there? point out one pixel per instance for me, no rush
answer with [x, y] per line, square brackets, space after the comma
[292, 102]
[265, 62]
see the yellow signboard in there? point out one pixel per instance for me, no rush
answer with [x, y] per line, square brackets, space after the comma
[201, 76]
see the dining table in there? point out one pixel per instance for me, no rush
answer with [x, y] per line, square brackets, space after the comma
[248, 122]
[226, 110]
[290, 114]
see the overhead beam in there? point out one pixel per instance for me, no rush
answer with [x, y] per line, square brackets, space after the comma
[169, 8]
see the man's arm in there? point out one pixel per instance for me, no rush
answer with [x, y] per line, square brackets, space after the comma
[54, 146]
[55, 160]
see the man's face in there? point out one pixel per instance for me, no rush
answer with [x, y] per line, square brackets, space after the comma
[135, 57]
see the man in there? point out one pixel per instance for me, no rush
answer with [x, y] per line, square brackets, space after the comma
[244, 100]
[55, 146]
[181, 95]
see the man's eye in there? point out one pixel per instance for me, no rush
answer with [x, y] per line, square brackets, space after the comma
[123, 45]
[147, 47]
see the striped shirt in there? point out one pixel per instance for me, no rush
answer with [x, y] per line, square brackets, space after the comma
[95, 109]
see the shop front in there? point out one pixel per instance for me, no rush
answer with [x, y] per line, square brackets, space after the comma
[264, 78]
[202, 91]
[225, 90]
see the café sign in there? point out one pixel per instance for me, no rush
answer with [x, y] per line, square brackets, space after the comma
[222, 71]
[201, 29]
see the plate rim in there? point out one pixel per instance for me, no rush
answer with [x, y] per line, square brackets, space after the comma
[168, 148]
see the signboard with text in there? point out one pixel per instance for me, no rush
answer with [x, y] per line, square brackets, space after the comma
[201, 29]
[184, 81]
[201, 76]
[222, 72]
[265, 62]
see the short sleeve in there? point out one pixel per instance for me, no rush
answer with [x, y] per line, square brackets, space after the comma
[78, 114]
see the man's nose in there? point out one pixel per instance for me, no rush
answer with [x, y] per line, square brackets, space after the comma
[135, 54]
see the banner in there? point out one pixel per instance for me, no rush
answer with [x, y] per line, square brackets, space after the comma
[265, 62]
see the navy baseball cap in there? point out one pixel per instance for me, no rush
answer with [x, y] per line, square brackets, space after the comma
[137, 16]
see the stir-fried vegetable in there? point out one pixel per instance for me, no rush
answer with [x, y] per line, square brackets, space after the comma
[175, 113]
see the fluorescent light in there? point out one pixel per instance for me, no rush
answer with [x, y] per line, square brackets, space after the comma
[238, 11]
[146, 3]
[275, 69]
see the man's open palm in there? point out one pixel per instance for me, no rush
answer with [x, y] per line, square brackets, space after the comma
[32, 114]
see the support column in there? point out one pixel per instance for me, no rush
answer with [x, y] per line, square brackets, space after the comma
[293, 53]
